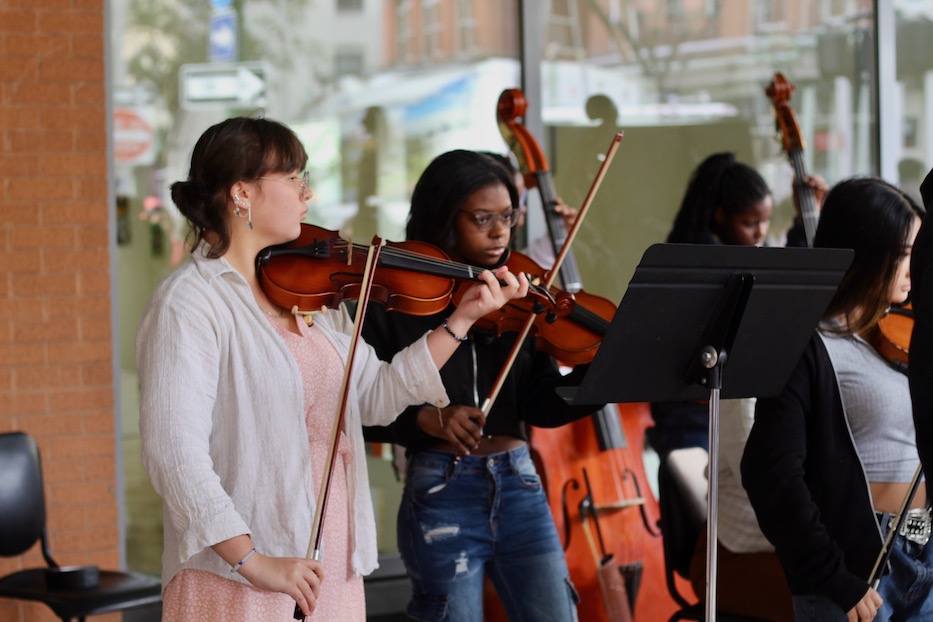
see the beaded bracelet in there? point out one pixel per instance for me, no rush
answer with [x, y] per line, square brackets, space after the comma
[236, 567]
[452, 333]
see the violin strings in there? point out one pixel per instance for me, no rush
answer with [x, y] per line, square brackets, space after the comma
[424, 259]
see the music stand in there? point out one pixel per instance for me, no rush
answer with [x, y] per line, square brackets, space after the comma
[689, 311]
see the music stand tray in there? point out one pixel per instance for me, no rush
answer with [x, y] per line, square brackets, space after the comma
[711, 321]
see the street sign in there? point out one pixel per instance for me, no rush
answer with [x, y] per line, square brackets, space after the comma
[133, 135]
[224, 85]
[223, 37]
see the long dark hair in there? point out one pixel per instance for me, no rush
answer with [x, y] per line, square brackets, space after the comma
[238, 149]
[874, 218]
[719, 181]
[444, 187]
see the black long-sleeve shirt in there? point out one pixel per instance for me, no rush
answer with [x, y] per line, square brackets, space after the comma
[528, 396]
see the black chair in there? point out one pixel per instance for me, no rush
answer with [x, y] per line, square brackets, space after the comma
[682, 501]
[72, 592]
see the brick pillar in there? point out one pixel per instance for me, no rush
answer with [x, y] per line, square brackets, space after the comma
[56, 379]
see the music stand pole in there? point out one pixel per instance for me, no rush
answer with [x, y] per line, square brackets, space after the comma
[706, 369]
[712, 507]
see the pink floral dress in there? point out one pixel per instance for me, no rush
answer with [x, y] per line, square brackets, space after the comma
[196, 595]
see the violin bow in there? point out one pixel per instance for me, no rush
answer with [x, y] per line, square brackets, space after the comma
[552, 273]
[317, 526]
[898, 521]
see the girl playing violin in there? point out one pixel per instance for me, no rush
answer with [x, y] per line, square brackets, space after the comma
[238, 398]
[831, 458]
[473, 503]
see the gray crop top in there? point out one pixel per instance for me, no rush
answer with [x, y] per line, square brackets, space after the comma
[876, 401]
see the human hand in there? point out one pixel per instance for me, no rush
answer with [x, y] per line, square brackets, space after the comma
[484, 298]
[815, 183]
[568, 214]
[298, 577]
[461, 426]
[866, 609]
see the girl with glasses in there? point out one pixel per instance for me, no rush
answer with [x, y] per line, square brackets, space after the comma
[238, 398]
[473, 504]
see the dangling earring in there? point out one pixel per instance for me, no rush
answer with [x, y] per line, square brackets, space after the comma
[237, 203]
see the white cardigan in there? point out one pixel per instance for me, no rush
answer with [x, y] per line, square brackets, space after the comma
[222, 419]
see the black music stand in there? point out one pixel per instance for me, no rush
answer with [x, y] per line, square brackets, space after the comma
[689, 311]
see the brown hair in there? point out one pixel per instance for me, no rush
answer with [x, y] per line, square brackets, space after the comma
[238, 149]
[874, 218]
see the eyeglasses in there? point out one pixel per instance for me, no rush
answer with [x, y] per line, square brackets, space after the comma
[485, 221]
[302, 182]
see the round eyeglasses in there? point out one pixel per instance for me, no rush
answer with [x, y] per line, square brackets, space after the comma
[484, 221]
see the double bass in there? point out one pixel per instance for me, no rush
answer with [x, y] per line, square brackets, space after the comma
[891, 337]
[592, 469]
[788, 129]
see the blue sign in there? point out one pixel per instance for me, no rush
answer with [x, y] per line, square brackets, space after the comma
[218, 5]
[223, 37]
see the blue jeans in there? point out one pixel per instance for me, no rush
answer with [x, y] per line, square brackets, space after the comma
[461, 519]
[906, 589]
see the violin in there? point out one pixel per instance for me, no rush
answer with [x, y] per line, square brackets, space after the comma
[891, 336]
[786, 125]
[319, 269]
[576, 336]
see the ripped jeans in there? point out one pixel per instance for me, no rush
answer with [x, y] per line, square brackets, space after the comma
[461, 519]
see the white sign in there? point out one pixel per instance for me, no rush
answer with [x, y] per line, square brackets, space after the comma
[133, 135]
[217, 85]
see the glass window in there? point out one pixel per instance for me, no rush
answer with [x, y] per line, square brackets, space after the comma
[914, 95]
[682, 89]
[374, 89]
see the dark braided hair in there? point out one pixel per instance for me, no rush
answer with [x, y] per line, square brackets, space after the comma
[719, 181]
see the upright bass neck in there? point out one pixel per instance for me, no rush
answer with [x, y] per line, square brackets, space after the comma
[788, 129]
[568, 271]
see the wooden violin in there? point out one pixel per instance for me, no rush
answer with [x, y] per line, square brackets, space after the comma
[786, 125]
[891, 336]
[320, 269]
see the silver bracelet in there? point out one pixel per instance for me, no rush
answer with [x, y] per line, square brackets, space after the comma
[452, 333]
[440, 416]
[236, 566]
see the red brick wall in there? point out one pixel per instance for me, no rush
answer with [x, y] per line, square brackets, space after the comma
[56, 379]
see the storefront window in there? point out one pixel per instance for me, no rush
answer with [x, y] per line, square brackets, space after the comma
[377, 88]
[687, 84]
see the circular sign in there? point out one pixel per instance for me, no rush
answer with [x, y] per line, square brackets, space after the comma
[132, 136]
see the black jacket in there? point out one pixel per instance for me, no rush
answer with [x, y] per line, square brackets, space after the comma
[808, 487]
[920, 370]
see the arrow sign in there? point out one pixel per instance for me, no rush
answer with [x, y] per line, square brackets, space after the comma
[211, 86]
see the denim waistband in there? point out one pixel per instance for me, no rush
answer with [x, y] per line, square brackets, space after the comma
[484, 462]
